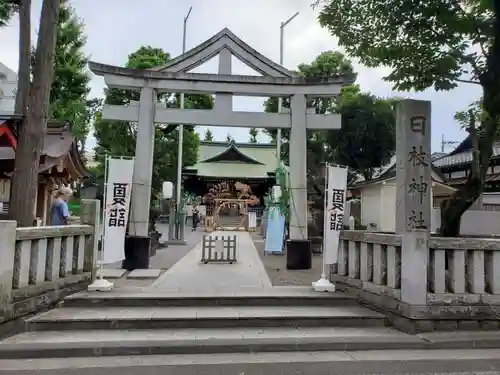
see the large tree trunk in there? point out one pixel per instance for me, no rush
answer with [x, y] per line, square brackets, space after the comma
[30, 143]
[453, 209]
[23, 74]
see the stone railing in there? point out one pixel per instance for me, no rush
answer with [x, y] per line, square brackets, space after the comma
[370, 261]
[461, 279]
[47, 254]
[40, 265]
[468, 268]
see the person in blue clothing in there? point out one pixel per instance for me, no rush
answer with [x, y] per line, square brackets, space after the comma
[59, 212]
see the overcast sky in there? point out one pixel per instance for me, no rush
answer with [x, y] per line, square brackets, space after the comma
[116, 28]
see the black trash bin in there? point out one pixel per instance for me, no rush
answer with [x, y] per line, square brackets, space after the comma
[137, 249]
[298, 255]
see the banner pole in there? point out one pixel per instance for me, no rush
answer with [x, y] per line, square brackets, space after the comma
[100, 284]
[324, 284]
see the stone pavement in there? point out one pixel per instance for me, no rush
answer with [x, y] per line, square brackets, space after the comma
[167, 256]
[192, 276]
[164, 259]
[450, 362]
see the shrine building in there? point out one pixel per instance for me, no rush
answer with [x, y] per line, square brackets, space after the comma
[60, 164]
[232, 170]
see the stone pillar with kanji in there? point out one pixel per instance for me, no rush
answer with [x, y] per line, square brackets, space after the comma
[413, 195]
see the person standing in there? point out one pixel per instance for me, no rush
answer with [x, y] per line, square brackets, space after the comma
[196, 217]
[59, 211]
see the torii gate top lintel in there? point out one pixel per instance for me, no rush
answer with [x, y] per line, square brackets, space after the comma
[226, 39]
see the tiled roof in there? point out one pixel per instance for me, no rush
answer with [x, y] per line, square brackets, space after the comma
[462, 157]
[263, 154]
[494, 177]
[56, 143]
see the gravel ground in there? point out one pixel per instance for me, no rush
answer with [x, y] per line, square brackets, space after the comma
[275, 266]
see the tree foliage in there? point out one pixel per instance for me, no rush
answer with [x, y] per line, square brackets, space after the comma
[7, 9]
[119, 137]
[71, 84]
[208, 135]
[253, 134]
[367, 122]
[366, 140]
[431, 44]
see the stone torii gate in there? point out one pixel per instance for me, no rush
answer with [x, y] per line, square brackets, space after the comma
[173, 77]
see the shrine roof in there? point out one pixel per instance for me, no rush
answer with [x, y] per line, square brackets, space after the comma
[59, 142]
[237, 160]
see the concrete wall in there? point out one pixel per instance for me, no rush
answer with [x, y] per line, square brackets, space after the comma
[376, 208]
[371, 205]
[388, 211]
[8, 86]
[474, 222]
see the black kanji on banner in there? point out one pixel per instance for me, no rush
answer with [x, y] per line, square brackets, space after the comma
[338, 199]
[117, 217]
[118, 211]
[337, 210]
[119, 194]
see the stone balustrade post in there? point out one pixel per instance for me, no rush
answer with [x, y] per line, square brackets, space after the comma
[7, 250]
[91, 215]
[414, 259]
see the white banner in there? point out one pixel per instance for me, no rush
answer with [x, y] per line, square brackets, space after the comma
[116, 211]
[335, 195]
[252, 219]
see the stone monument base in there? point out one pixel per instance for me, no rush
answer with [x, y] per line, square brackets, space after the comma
[298, 255]
[137, 249]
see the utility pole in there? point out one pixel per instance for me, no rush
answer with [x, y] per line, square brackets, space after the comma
[181, 126]
[280, 100]
[445, 143]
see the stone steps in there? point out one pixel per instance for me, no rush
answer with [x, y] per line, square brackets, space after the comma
[279, 319]
[71, 343]
[74, 318]
[217, 341]
[277, 296]
[230, 221]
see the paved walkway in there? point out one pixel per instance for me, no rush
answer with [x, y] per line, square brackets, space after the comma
[191, 276]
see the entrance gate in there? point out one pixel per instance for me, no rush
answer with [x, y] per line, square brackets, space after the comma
[276, 81]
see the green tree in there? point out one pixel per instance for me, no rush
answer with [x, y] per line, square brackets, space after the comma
[71, 84]
[119, 137]
[326, 64]
[208, 135]
[7, 10]
[253, 133]
[367, 139]
[431, 44]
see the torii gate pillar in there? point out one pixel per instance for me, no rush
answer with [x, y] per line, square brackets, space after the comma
[298, 169]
